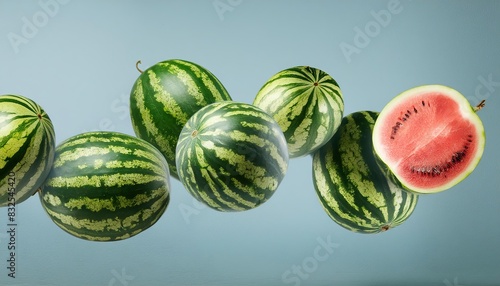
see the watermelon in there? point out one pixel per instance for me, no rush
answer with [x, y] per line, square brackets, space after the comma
[352, 185]
[430, 138]
[231, 156]
[27, 146]
[308, 105]
[106, 186]
[165, 96]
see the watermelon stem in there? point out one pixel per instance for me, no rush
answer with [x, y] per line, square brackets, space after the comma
[480, 105]
[137, 66]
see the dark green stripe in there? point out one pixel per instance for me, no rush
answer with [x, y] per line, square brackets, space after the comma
[18, 156]
[44, 159]
[20, 100]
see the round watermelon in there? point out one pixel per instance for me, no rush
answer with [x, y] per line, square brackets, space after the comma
[231, 156]
[308, 105]
[353, 188]
[106, 186]
[165, 96]
[27, 146]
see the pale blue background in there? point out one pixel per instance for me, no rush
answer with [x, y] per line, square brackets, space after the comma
[79, 65]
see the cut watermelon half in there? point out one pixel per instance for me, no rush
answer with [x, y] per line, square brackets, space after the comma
[429, 137]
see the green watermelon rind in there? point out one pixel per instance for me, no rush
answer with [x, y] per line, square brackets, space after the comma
[27, 147]
[165, 96]
[352, 188]
[106, 186]
[231, 156]
[308, 105]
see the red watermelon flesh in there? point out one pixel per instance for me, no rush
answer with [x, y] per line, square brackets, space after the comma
[429, 137]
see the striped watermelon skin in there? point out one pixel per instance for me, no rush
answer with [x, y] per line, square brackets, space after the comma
[106, 186]
[352, 186]
[27, 146]
[231, 156]
[308, 105]
[165, 96]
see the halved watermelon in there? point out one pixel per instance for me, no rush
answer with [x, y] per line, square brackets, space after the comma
[429, 137]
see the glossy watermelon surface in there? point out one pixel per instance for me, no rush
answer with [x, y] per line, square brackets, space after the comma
[165, 96]
[308, 105]
[353, 188]
[27, 146]
[106, 186]
[232, 156]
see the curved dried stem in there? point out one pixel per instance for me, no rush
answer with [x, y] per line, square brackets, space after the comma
[480, 105]
[137, 66]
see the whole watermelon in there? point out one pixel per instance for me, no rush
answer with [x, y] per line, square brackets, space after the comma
[165, 96]
[231, 156]
[308, 105]
[353, 187]
[106, 186]
[27, 146]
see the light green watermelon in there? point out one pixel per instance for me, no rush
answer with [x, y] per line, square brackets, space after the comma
[27, 146]
[308, 105]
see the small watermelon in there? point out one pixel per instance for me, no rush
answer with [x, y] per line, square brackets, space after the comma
[429, 137]
[165, 96]
[106, 186]
[352, 187]
[27, 146]
[231, 156]
[308, 105]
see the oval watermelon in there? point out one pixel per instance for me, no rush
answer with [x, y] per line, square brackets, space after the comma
[352, 187]
[165, 96]
[308, 105]
[231, 156]
[429, 137]
[27, 146]
[106, 186]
